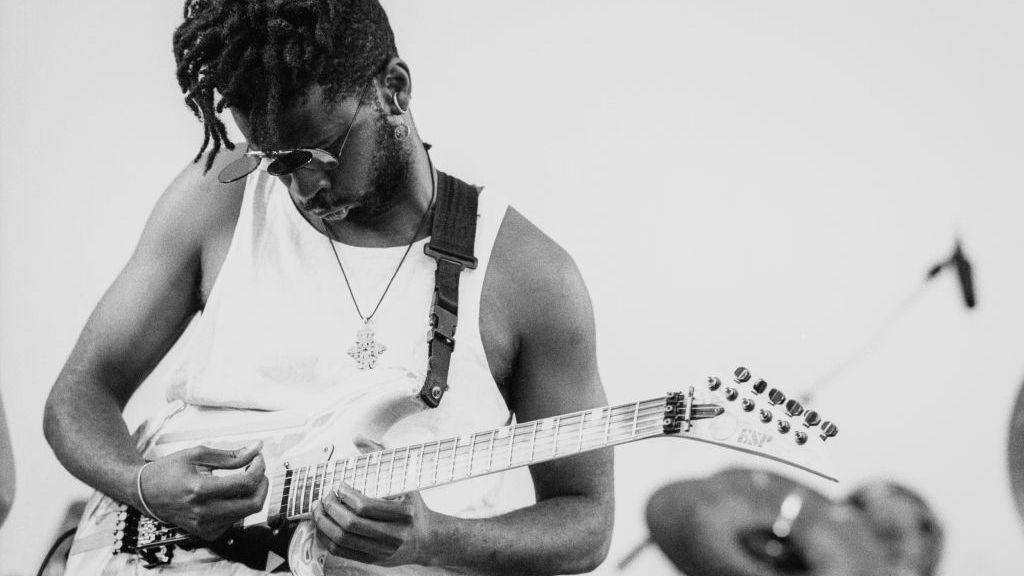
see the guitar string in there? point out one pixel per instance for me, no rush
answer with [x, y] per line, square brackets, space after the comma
[526, 427]
[309, 482]
[646, 427]
[370, 459]
[305, 492]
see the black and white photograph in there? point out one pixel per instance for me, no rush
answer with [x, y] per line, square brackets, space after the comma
[647, 288]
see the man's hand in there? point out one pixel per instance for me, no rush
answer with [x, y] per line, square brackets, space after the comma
[182, 490]
[386, 531]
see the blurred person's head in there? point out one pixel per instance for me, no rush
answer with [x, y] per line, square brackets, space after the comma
[904, 524]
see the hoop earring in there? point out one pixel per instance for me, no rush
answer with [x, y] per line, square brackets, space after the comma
[394, 99]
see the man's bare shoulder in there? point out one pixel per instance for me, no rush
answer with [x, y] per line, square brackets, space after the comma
[202, 202]
[534, 277]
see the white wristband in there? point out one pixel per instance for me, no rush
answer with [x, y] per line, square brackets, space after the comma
[142, 499]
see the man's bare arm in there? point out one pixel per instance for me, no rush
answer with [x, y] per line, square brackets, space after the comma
[139, 318]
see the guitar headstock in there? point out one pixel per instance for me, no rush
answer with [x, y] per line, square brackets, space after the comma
[747, 414]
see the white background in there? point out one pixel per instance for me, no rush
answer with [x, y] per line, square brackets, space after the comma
[756, 183]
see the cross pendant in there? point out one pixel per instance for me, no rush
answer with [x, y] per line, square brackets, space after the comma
[366, 349]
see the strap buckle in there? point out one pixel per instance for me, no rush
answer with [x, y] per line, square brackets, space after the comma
[439, 254]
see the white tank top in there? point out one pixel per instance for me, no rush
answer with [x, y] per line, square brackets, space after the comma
[279, 321]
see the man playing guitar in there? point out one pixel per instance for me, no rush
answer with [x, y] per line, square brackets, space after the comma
[302, 252]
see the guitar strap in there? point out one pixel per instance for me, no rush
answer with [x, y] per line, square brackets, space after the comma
[451, 245]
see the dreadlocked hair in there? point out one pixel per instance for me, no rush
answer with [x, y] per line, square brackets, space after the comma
[261, 56]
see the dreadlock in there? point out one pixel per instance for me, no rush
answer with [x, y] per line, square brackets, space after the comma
[260, 56]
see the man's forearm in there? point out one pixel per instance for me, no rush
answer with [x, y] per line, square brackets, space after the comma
[565, 534]
[85, 428]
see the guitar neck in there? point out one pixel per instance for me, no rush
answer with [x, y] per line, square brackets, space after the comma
[397, 471]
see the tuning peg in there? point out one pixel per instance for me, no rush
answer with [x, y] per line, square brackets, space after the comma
[801, 437]
[828, 430]
[776, 397]
[741, 375]
[793, 408]
[713, 383]
[731, 393]
[766, 416]
[783, 426]
[748, 405]
[759, 386]
[811, 418]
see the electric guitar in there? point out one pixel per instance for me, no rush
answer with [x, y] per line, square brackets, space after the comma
[303, 462]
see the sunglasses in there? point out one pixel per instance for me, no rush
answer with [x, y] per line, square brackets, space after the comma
[284, 162]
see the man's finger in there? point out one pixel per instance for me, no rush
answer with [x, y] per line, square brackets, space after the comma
[346, 542]
[236, 485]
[237, 508]
[384, 509]
[217, 458]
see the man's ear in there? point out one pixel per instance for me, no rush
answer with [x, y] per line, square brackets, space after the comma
[397, 86]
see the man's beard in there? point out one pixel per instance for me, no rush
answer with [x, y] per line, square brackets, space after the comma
[389, 178]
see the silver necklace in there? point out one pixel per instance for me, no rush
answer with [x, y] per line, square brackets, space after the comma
[367, 350]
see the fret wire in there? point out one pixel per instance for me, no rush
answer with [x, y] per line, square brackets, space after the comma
[533, 439]
[405, 468]
[419, 466]
[512, 445]
[636, 412]
[579, 439]
[366, 473]
[607, 425]
[554, 443]
[437, 460]
[490, 450]
[312, 489]
[472, 450]
[391, 471]
[376, 478]
[305, 486]
[455, 454]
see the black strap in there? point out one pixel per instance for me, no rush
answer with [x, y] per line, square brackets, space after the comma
[451, 244]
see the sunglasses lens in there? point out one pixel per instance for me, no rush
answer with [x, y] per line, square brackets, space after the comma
[238, 169]
[290, 162]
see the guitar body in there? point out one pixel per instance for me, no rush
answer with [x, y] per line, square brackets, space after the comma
[338, 428]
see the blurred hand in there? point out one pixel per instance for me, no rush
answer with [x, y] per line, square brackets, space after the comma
[182, 490]
[386, 531]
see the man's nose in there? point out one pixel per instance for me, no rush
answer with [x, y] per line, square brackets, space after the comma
[308, 183]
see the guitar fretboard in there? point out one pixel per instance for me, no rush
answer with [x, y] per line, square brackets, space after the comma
[400, 470]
